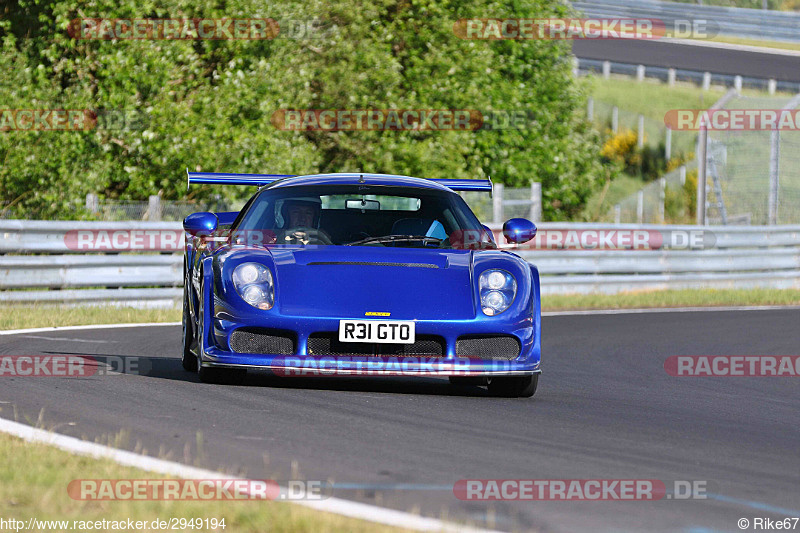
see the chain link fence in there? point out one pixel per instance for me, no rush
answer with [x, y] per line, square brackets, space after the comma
[753, 177]
[667, 200]
[154, 209]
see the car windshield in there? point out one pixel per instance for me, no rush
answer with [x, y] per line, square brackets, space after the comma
[360, 215]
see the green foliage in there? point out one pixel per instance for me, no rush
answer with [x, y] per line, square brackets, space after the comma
[207, 104]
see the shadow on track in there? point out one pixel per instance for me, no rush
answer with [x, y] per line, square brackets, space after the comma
[170, 368]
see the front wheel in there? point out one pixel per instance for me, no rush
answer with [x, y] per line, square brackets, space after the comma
[188, 359]
[514, 386]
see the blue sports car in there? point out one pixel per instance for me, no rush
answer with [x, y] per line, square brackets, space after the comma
[359, 274]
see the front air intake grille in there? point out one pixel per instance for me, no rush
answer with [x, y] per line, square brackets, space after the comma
[327, 343]
[500, 347]
[262, 340]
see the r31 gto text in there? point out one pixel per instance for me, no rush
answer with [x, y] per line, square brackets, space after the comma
[373, 331]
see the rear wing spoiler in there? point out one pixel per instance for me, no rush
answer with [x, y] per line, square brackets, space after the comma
[222, 178]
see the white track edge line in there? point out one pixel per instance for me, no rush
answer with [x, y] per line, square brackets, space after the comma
[671, 310]
[88, 326]
[577, 312]
[732, 46]
[350, 509]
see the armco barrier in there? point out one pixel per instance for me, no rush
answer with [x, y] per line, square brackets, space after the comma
[736, 21]
[35, 255]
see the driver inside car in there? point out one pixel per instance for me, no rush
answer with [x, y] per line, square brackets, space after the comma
[301, 222]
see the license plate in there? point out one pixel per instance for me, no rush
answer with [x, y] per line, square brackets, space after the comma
[380, 331]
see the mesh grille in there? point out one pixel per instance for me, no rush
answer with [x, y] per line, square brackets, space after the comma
[488, 347]
[260, 340]
[327, 343]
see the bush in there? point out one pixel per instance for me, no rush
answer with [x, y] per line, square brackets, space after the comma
[207, 104]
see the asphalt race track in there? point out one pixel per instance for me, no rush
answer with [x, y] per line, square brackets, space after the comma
[605, 409]
[782, 67]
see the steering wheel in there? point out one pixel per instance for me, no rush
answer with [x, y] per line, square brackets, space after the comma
[303, 235]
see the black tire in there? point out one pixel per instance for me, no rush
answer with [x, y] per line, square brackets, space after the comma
[468, 381]
[221, 376]
[188, 358]
[214, 375]
[514, 386]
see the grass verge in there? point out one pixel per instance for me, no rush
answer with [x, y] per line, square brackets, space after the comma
[781, 45]
[19, 317]
[653, 98]
[34, 480]
[40, 316]
[672, 298]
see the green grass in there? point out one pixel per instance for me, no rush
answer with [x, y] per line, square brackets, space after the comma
[603, 200]
[19, 317]
[653, 98]
[34, 479]
[673, 298]
[37, 316]
[754, 42]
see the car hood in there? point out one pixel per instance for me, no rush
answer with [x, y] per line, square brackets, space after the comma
[359, 281]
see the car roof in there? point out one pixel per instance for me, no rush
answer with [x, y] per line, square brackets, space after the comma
[356, 178]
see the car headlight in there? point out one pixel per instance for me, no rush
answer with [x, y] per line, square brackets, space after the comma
[497, 291]
[254, 284]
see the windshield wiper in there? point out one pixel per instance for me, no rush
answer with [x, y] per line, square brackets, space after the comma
[396, 238]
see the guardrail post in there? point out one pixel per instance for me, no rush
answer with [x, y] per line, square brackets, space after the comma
[706, 81]
[639, 72]
[497, 203]
[617, 214]
[590, 109]
[536, 201]
[92, 203]
[772, 86]
[576, 66]
[640, 206]
[702, 147]
[615, 119]
[668, 144]
[671, 77]
[737, 83]
[606, 69]
[774, 169]
[154, 207]
[640, 132]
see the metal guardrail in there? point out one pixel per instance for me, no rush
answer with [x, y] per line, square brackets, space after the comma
[703, 79]
[736, 21]
[741, 257]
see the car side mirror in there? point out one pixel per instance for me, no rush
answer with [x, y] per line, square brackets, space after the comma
[519, 230]
[203, 223]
